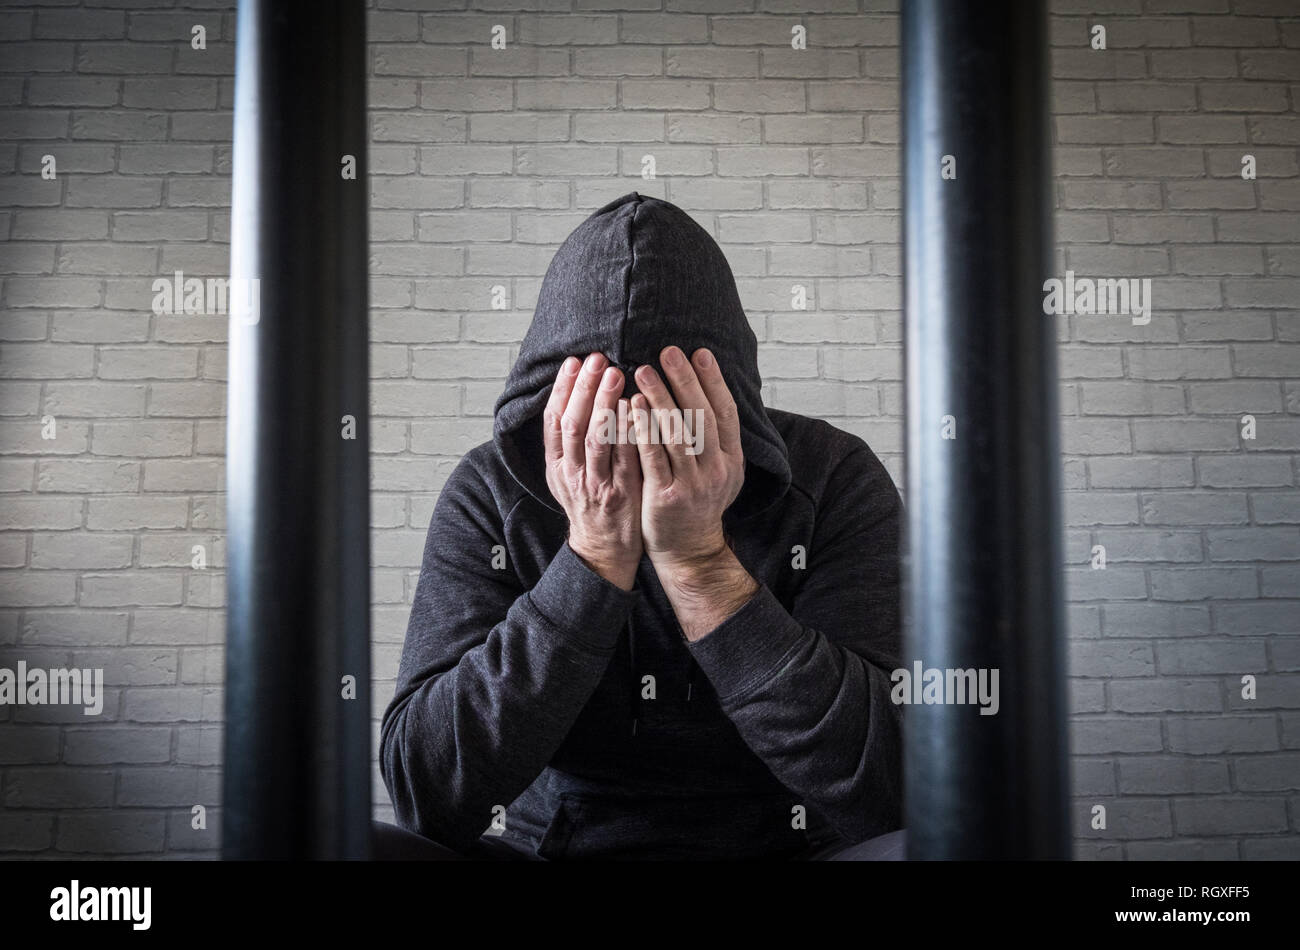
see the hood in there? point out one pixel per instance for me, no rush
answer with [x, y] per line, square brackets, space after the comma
[638, 275]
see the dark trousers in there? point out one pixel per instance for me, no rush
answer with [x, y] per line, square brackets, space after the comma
[391, 843]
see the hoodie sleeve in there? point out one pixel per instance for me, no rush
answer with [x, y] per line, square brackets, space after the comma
[492, 675]
[808, 688]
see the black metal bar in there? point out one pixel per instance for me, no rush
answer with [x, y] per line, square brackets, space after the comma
[983, 563]
[297, 752]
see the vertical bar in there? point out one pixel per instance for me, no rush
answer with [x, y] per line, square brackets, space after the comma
[983, 587]
[297, 752]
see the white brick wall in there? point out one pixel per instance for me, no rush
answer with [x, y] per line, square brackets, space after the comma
[482, 161]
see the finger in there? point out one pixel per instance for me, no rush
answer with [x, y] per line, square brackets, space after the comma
[667, 418]
[654, 460]
[555, 408]
[604, 418]
[625, 466]
[725, 415]
[578, 412]
[690, 398]
[687, 391]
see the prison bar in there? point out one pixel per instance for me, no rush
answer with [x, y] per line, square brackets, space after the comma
[297, 695]
[982, 563]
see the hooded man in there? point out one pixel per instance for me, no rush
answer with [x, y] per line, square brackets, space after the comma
[671, 647]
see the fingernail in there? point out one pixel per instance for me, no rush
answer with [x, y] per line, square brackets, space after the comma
[611, 380]
[673, 356]
[704, 357]
[645, 375]
[593, 362]
[571, 365]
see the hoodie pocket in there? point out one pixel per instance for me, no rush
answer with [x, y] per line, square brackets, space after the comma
[588, 827]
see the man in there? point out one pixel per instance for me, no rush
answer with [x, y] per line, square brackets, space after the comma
[637, 648]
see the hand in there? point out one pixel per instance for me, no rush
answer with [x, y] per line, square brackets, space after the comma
[598, 484]
[688, 486]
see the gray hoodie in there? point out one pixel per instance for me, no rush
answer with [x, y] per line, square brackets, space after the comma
[568, 718]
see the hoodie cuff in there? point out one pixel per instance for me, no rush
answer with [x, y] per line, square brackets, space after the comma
[584, 607]
[750, 647]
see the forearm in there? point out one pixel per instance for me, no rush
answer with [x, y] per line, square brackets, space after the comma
[818, 714]
[459, 742]
[705, 591]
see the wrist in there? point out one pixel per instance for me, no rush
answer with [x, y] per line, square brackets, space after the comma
[706, 590]
[617, 568]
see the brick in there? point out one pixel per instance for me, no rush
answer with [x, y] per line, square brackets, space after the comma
[1254, 544]
[721, 129]
[1196, 656]
[1183, 849]
[1217, 735]
[1273, 691]
[1229, 815]
[1140, 472]
[1111, 658]
[671, 28]
[1233, 31]
[1104, 130]
[813, 129]
[1238, 325]
[519, 126]
[542, 94]
[1098, 736]
[711, 63]
[1107, 194]
[1162, 163]
[1203, 584]
[1173, 775]
[117, 746]
[1146, 97]
[569, 29]
[621, 61]
[1160, 229]
[1248, 472]
[1132, 399]
[1184, 436]
[1255, 619]
[1194, 508]
[1268, 773]
[111, 832]
[57, 787]
[1277, 508]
